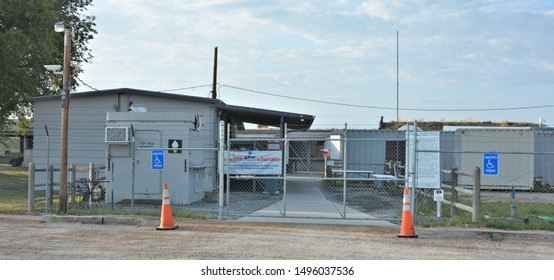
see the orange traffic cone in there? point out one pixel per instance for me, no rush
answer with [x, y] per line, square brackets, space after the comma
[166, 221]
[407, 229]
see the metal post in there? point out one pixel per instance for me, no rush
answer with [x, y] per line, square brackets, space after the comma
[90, 183]
[228, 181]
[439, 209]
[514, 206]
[50, 185]
[324, 166]
[454, 193]
[407, 159]
[48, 196]
[65, 122]
[73, 172]
[284, 171]
[476, 195]
[112, 187]
[133, 168]
[397, 82]
[31, 189]
[414, 170]
[220, 167]
[344, 170]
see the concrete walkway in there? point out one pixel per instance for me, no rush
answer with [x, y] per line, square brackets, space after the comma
[305, 203]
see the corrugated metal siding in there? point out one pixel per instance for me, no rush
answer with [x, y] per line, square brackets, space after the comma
[85, 132]
[447, 145]
[366, 149]
[87, 120]
[149, 116]
[544, 163]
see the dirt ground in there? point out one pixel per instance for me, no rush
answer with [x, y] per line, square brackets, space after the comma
[135, 238]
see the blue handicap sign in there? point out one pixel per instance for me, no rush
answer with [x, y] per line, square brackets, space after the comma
[157, 159]
[490, 164]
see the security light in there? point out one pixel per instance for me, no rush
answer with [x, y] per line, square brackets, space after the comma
[59, 27]
[53, 68]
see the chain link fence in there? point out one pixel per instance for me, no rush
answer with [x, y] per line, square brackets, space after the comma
[13, 176]
[516, 175]
[328, 174]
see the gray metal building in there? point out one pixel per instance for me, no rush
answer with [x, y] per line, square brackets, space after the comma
[88, 118]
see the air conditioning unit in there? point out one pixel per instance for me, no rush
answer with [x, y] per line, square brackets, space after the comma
[117, 134]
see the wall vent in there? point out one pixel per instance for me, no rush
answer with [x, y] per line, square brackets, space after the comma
[117, 134]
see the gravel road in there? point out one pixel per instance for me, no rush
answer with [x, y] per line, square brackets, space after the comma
[135, 238]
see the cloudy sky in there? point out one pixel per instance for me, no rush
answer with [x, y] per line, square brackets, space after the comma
[458, 60]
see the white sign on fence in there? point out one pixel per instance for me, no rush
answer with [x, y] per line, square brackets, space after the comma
[254, 162]
[426, 164]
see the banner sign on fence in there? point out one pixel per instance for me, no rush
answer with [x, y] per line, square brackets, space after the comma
[254, 162]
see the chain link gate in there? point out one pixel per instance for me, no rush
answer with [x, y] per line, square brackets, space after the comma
[339, 174]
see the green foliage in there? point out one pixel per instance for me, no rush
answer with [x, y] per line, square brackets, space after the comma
[494, 215]
[28, 42]
[14, 178]
[14, 202]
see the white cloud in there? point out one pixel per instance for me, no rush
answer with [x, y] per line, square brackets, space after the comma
[381, 9]
[315, 48]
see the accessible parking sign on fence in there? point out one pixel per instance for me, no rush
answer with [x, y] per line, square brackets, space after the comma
[157, 159]
[490, 164]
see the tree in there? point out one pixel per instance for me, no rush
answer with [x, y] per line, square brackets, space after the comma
[28, 42]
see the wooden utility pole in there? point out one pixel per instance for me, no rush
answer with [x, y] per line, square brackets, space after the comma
[65, 121]
[214, 84]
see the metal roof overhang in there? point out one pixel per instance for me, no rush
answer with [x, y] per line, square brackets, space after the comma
[267, 117]
[107, 92]
[236, 113]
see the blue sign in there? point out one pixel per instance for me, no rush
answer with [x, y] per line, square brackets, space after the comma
[157, 159]
[490, 164]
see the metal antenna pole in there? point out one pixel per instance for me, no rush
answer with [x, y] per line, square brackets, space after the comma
[397, 83]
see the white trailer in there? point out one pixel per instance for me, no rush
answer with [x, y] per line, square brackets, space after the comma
[505, 156]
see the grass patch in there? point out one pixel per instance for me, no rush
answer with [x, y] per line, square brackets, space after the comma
[10, 179]
[13, 202]
[16, 203]
[495, 215]
[13, 191]
[498, 215]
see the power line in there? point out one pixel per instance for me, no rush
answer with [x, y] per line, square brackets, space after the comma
[187, 88]
[85, 84]
[392, 108]
[304, 99]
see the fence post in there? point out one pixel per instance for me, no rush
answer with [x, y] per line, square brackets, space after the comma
[454, 193]
[220, 165]
[50, 185]
[73, 176]
[344, 168]
[31, 189]
[90, 182]
[476, 195]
